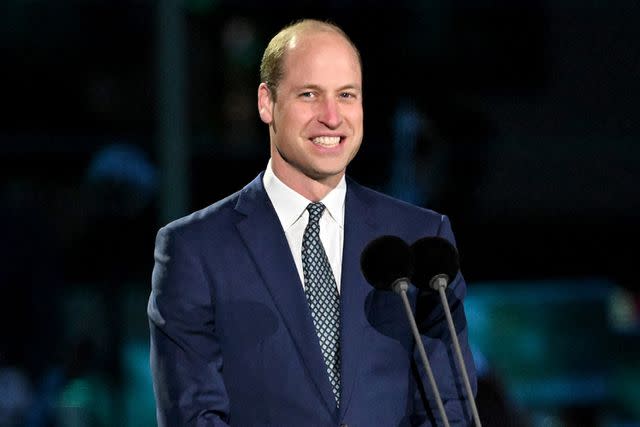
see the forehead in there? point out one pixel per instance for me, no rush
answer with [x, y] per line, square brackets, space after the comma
[317, 48]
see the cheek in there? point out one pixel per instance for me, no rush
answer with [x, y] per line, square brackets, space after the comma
[294, 118]
[355, 116]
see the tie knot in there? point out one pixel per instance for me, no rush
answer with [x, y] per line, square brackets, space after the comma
[315, 211]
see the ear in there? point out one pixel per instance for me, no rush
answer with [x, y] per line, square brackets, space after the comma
[265, 103]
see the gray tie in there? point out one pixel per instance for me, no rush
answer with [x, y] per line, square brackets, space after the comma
[322, 295]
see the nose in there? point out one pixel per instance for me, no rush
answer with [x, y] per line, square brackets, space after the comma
[330, 114]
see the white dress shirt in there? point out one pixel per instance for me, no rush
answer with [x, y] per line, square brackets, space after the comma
[291, 209]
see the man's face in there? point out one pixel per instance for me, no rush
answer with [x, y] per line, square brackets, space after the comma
[316, 121]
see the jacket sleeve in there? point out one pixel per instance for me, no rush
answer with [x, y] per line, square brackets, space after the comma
[185, 354]
[439, 347]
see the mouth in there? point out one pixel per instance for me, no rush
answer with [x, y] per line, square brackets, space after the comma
[327, 141]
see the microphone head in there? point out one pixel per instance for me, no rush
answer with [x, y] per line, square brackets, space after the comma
[433, 256]
[385, 260]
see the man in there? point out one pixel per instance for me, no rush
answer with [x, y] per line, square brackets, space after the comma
[256, 322]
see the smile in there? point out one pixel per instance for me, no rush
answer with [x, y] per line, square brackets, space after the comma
[326, 141]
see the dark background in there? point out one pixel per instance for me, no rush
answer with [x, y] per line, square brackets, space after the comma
[516, 119]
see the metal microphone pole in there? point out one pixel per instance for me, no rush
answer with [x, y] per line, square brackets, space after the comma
[401, 286]
[440, 283]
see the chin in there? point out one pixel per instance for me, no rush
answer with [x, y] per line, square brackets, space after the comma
[322, 174]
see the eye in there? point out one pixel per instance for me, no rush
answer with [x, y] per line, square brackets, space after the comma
[307, 94]
[347, 95]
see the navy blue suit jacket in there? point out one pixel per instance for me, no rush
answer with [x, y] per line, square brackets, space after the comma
[233, 341]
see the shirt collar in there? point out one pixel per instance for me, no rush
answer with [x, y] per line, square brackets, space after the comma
[290, 206]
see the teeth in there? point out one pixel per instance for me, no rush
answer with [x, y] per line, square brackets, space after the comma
[327, 141]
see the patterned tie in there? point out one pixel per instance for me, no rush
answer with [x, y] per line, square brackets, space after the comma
[322, 295]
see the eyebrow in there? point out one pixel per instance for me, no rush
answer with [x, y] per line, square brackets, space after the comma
[320, 89]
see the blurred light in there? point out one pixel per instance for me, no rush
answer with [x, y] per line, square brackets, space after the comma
[126, 164]
[623, 311]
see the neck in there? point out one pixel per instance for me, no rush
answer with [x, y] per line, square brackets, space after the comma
[310, 188]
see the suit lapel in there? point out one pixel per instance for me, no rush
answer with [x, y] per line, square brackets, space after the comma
[359, 229]
[263, 235]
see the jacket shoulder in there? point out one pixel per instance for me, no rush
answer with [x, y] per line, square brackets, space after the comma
[216, 216]
[386, 204]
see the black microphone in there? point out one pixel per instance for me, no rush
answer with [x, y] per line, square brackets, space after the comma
[387, 263]
[436, 264]
[434, 258]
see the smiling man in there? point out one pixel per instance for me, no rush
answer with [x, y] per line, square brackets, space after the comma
[259, 314]
[311, 98]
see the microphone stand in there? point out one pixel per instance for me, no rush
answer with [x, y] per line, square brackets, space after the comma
[401, 286]
[439, 283]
